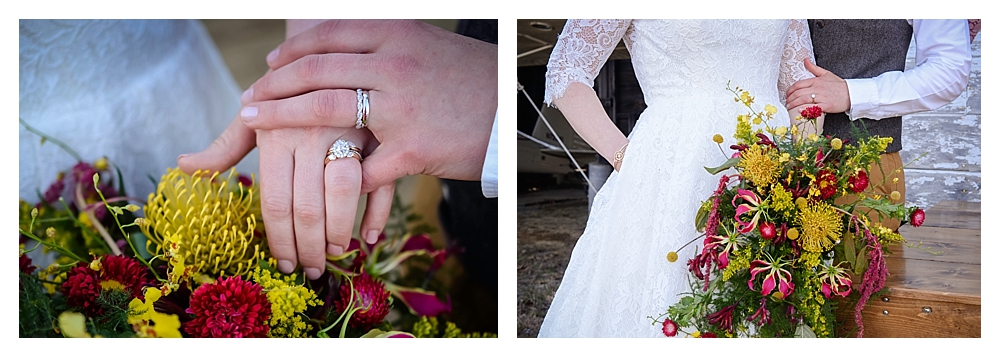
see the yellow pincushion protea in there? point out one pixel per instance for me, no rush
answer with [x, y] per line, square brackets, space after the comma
[206, 223]
[760, 166]
[821, 227]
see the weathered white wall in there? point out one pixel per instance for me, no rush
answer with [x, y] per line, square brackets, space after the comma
[950, 136]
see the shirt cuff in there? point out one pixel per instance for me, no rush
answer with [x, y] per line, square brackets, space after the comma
[489, 180]
[864, 97]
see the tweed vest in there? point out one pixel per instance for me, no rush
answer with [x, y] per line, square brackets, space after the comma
[862, 49]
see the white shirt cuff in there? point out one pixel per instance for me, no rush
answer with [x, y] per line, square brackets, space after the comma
[490, 179]
[864, 96]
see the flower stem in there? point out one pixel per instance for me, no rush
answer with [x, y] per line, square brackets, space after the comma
[49, 138]
[128, 238]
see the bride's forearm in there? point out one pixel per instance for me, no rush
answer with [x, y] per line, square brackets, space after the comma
[586, 115]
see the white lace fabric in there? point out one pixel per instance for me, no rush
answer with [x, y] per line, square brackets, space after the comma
[140, 92]
[618, 273]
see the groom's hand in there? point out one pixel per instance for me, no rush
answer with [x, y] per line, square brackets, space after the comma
[830, 91]
[433, 94]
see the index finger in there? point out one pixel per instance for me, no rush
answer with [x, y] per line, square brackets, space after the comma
[332, 36]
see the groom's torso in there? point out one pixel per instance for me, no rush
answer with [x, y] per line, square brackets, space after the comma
[862, 49]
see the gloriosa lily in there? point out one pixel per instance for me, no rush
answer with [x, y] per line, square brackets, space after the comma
[752, 205]
[775, 275]
[727, 245]
[835, 281]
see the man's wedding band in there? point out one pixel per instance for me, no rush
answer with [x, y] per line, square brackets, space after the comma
[342, 149]
[363, 109]
[813, 97]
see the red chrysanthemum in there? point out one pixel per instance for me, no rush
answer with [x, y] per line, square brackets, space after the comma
[84, 284]
[917, 217]
[858, 182]
[229, 307]
[370, 296]
[669, 328]
[827, 184]
[812, 112]
[25, 265]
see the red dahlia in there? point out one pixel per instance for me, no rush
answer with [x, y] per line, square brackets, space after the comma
[229, 307]
[858, 182]
[812, 112]
[84, 284]
[669, 328]
[370, 296]
[827, 184]
[917, 217]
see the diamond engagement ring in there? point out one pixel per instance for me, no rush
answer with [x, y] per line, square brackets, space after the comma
[362, 109]
[341, 149]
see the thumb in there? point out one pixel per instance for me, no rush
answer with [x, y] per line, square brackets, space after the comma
[381, 168]
[814, 69]
[225, 152]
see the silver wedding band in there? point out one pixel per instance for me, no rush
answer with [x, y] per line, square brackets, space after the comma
[342, 149]
[363, 109]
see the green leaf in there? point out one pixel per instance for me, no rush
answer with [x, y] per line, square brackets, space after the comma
[804, 331]
[729, 163]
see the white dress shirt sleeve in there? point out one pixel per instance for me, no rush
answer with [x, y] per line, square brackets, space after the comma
[489, 179]
[941, 73]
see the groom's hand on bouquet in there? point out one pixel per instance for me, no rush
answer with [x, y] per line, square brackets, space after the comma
[432, 93]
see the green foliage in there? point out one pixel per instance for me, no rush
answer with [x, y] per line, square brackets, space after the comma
[37, 310]
[428, 327]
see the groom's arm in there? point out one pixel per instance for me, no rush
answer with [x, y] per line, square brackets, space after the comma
[943, 62]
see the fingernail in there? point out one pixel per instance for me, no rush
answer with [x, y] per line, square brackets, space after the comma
[371, 237]
[247, 96]
[182, 156]
[334, 249]
[312, 273]
[285, 266]
[248, 113]
[272, 56]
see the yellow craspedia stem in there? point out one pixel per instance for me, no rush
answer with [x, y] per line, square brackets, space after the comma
[208, 222]
[717, 138]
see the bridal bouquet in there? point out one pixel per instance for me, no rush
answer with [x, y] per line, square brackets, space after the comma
[193, 262]
[777, 248]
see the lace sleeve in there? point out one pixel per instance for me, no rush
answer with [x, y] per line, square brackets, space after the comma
[580, 52]
[798, 46]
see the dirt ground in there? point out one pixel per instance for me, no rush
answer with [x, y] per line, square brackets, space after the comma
[548, 225]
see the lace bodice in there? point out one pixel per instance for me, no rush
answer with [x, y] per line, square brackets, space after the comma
[683, 57]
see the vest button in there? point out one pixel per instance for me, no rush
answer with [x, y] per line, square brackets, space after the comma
[820, 23]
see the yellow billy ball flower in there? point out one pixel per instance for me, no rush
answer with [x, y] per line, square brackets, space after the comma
[210, 220]
[717, 138]
[894, 195]
[793, 233]
[802, 202]
[836, 143]
[672, 257]
[101, 164]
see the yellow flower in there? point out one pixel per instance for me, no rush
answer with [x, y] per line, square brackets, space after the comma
[784, 157]
[813, 137]
[73, 324]
[782, 200]
[696, 334]
[821, 227]
[672, 257]
[802, 202]
[101, 164]
[211, 220]
[746, 98]
[795, 130]
[717, 138]
[141, 314]
[759, 166]
[894, 195]
[756, 120]
[836, 143]
[289, 302]
[781, 130]
[770, 109]
[793, 233]
[895, 180]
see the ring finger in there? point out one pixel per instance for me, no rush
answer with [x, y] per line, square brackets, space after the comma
[342, 178]
[328, 107]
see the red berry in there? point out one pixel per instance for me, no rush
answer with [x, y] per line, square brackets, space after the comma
[917, 217]
[767, 230]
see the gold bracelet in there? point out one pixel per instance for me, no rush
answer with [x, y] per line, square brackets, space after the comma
[619, 156]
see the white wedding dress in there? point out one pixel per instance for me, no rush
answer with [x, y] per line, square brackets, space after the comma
[618, 273]
[140, 92]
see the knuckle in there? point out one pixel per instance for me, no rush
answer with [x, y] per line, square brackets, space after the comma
[309, 67]
[281, 246]
[276, 206]
[324, 104]
[309, 213]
